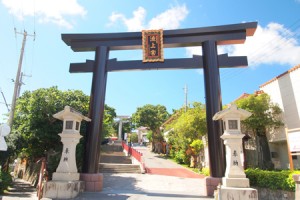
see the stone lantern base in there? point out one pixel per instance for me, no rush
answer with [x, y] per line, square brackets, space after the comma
[58, 176]
[236, 193]
[62, 189]
[236, 182]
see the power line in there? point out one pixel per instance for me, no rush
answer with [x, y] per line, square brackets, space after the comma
[4, 100]
[288, 34]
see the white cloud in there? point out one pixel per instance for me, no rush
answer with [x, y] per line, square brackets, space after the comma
[169, 19]
[46, 11]
[133, 24]
[271, 44]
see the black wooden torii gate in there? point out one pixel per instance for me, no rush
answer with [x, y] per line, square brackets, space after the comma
[210, 61]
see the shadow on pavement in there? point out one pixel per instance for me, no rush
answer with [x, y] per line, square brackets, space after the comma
[20, 188]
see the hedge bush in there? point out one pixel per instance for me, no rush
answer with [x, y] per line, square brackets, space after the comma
[275, 180]
[5, 181]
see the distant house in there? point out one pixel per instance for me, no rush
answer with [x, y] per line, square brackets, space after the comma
[142, 134]
[285, 91]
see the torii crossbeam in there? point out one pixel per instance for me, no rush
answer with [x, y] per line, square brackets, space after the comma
[210, 61]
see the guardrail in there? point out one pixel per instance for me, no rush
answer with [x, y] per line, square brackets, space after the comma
[136, 155]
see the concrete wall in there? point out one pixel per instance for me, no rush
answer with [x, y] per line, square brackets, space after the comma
[267, 194]
[284, 90]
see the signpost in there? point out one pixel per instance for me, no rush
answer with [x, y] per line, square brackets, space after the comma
[293, 143]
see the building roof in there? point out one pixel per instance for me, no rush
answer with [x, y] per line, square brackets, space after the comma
[279, 76]
[245, 95]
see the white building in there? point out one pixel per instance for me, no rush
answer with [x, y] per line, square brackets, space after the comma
[142, 134]
[285, 91]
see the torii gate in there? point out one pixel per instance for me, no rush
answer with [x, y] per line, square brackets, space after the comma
[210, 61]
[122, 119]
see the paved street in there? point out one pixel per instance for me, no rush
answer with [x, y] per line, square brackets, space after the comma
[20, 190]
[146, 187]
[165, 180]
[156, 164]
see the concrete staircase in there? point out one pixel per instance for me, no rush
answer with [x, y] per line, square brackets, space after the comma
[119, 168]
[113, 160]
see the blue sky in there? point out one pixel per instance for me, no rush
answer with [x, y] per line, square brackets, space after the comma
[273, 49]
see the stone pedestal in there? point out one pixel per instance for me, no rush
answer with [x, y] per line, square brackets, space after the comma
[237, 193]
[210, 185]
[62, 189]
[93, 182]
[236, 182]
[296, 178]
[234, 174]
[67, 162]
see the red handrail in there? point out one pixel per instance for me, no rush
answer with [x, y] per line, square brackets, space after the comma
[133, 152]
[42, 176]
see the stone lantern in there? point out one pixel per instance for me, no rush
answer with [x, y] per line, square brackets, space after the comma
[70, 136]
[65, 181]
[235, 182]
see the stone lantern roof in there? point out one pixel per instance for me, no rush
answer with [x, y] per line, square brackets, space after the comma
[232, 110]
[70, 112]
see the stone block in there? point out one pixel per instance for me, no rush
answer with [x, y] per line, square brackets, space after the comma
[62, 189]
[98, 186]
[57, 176]
[97, 177]
[236, 182]
[225, 193]
[93, 182]
[210, 185]
[90, 186]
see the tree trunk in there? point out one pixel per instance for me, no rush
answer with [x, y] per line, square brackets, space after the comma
[263, 152]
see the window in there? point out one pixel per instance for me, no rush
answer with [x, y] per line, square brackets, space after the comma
[77, 126]
[232, 124]
[224, 125]
[69, 124]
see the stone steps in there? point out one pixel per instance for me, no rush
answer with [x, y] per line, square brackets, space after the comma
[116, 147]
[119, 168]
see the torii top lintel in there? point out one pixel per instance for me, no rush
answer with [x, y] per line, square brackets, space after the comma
[223, 35]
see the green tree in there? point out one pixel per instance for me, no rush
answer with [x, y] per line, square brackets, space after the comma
[134, 137]
[186, 128]
[108, 122]
[35, 131]
[151, 116]
[265, 116]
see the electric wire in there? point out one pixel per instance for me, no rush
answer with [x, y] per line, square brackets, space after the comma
[266, 45]
[288, 34]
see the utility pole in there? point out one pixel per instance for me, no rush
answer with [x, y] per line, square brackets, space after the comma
[185, 94]
[21, 83]
[18, 78]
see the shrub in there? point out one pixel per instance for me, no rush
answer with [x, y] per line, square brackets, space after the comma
[205, 171]
[5, 181]
[180, 157]
[275, 180]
